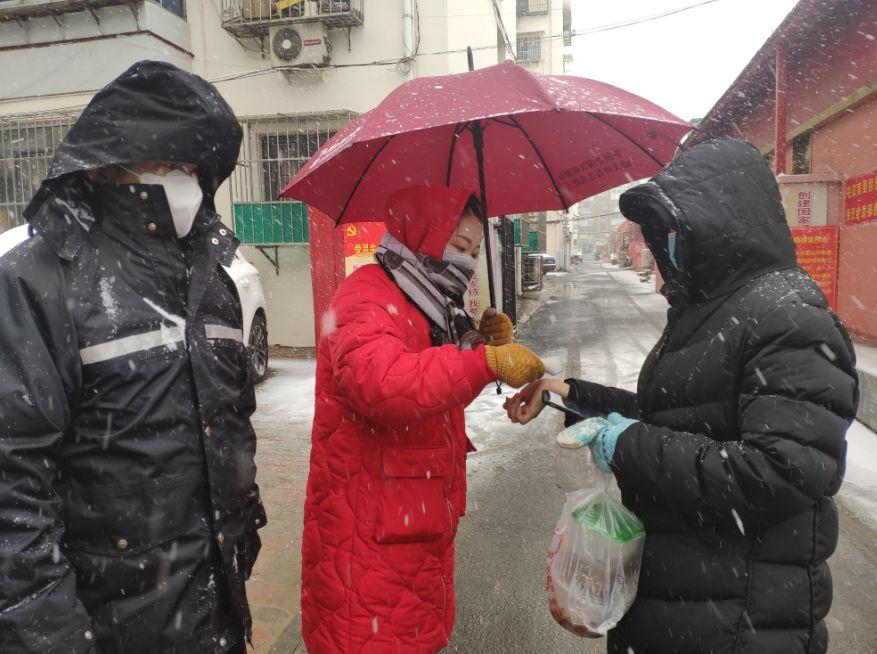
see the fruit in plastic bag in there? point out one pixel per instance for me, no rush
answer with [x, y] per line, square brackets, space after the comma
[594, 560]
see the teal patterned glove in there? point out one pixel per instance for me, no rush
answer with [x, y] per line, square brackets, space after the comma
[603, 445]
[582, 433]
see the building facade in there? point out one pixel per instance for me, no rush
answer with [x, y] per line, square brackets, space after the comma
[543, 37]
[294, 71]
[808, 101]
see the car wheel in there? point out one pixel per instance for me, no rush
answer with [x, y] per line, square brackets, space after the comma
[258, 348]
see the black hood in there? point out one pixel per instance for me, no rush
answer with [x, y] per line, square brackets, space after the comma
[724, 203]
[152, 111]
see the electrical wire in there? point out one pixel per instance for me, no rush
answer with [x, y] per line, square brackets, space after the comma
[399, 60]
[505, 35]
[257, 72]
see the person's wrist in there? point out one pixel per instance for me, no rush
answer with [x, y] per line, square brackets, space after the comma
[556, 387]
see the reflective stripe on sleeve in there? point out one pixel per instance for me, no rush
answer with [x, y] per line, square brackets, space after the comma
[221, 331]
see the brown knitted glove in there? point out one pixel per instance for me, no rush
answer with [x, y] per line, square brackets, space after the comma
[497, 328]
[513, 364]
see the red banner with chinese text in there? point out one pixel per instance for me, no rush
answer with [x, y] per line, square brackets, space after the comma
[362, 239]
[360, 242]
[860, 199]
[817, 249]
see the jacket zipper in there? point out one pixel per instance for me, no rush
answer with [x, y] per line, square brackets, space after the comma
[652, 363]
[452, 435]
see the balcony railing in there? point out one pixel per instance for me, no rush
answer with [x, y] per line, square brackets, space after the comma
[246, 18]
[24, 9]
[20, 10]
[532, 7]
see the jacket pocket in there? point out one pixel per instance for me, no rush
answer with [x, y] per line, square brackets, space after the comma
[127, 520]
[136, 541]
[413, 503]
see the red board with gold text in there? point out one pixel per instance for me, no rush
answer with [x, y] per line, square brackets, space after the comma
[360, 242]
[817, 255]
[860, 199]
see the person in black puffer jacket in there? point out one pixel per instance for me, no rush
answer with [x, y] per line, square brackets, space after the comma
[738, 436]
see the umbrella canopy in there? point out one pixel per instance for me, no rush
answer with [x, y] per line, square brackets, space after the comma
[548, 142]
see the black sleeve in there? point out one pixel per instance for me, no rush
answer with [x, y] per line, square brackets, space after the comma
[798, 395]
[595, 399]
[39, 378]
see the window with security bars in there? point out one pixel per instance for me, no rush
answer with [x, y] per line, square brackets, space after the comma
[567, 25]
[283, 155]
[274, 149]
[530, 46]
[801, 154]
[530, 7]
[27, 145]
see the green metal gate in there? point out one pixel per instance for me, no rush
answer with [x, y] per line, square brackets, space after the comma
[257, 223]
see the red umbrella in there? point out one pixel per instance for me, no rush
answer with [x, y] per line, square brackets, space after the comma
[547, 142]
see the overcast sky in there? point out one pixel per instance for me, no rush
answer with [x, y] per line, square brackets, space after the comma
[682, 62]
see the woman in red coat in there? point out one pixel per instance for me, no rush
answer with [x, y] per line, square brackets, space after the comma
[397, 363]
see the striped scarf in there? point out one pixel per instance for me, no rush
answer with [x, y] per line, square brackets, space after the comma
[434, 285]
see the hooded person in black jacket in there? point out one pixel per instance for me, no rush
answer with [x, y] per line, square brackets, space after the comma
[734, 443]
[128, 504]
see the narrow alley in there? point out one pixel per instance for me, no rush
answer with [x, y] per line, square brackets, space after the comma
[601, 323]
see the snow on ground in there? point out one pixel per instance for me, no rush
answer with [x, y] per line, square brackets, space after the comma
[487, 422]
[288, 391]
[866, 358]
[859, 489]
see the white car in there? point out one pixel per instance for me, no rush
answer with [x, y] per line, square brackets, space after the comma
[249, 285]
[12, 237]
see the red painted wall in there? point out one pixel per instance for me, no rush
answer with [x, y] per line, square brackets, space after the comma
[848, 145]
[327, 263]
[857, 279]
[842, 61]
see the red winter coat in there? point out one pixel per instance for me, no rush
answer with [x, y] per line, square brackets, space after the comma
[387, 482]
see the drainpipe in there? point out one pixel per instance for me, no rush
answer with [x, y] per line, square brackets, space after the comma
[408, 35]
[782, 112]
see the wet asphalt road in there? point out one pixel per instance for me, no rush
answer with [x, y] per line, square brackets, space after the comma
[602, 323]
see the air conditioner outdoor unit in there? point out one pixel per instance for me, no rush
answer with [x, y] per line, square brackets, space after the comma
[299, 46]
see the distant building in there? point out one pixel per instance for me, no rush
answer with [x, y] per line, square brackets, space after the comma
[599, 222]
[543, 37]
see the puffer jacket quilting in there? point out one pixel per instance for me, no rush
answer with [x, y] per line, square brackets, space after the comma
[387, 481]
[744, 405]
[388, 475]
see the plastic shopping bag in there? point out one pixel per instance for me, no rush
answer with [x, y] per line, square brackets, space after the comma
[594, 560]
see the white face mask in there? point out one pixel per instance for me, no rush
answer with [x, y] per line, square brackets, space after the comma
[184, 197]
